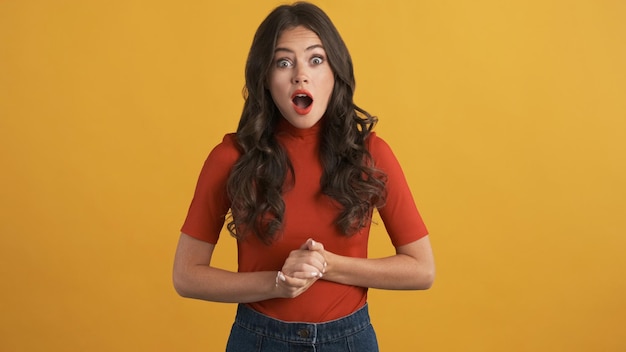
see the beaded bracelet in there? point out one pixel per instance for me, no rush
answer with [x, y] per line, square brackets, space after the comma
[279, 276]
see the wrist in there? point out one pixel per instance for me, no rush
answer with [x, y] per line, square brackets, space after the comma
[279, 280]
[331, 262]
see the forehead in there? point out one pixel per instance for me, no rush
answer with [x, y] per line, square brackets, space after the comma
[297, 36]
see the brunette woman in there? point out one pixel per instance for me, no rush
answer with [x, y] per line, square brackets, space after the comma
[296, 186]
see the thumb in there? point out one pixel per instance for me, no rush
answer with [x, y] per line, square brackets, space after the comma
[311, 245]
[307, 245]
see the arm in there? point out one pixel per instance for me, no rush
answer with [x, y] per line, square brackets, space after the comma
[194, 277]
[411, 268]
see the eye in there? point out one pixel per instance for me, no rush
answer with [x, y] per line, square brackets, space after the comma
[317, 60]
[283, 63]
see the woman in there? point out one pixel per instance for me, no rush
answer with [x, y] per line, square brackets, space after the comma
[301, 178]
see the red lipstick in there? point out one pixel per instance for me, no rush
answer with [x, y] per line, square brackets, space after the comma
[302, 101]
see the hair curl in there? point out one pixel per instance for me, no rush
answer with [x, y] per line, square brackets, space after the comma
[258, 179]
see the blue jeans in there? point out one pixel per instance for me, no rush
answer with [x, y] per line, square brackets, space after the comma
[253, 331]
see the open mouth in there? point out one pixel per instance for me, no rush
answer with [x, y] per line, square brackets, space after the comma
[302, 102]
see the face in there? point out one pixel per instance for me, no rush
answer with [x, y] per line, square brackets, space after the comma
[301, 80]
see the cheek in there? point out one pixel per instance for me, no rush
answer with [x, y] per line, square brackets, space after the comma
[329, 85]
[274, 87]
[274, 79]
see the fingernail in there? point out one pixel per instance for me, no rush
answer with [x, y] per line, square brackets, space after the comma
[281, 276]
[314, 274]
[312, 243]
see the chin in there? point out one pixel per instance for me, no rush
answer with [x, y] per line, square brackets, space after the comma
[305, 125]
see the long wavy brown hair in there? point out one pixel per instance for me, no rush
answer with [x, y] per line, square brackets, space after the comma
[264, 171]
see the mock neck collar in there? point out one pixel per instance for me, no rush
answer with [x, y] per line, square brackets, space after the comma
[284, 127]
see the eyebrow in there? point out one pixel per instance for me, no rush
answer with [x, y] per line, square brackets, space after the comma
[314, 46]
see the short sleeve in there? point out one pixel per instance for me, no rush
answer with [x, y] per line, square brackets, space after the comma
[400, 215]
[210, 203]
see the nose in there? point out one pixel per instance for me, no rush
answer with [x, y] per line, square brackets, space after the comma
[300, 76]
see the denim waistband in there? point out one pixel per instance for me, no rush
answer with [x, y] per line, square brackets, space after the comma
[302, 332]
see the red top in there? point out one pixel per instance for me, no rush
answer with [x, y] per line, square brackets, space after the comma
[308, 214]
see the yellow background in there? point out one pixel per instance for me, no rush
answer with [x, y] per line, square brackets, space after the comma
[509, 118]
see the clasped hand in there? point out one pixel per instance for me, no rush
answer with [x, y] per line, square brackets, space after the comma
[301, 269]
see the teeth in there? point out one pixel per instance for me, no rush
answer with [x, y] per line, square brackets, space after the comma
[301, 95]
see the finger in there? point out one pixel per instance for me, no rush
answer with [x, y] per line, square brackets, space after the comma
[313, 262]
[313, 245]
[304, 256]
[316, 246]
[305, 271]
[307, 275]
[317, 260]
[298, 280]
[308, 244]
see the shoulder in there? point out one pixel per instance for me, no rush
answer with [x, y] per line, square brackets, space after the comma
[382, 154]
[226, 152]
[377, 146]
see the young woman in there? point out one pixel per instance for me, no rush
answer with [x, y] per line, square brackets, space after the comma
[297, 185]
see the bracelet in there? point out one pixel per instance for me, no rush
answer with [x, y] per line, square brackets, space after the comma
[279, 276]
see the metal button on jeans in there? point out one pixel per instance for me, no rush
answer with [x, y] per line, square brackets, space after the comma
[304, 333]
